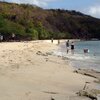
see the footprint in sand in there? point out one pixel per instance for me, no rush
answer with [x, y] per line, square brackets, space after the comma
[27, 93]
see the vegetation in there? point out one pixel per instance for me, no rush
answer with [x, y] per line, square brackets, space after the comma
[29, 22]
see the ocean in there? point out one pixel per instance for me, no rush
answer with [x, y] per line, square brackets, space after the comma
[90, 60]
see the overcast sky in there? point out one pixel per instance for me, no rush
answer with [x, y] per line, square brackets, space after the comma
[90, 7]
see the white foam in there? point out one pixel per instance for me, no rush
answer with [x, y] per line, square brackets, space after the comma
[72, 56]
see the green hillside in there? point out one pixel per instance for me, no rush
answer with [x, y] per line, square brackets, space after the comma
[30, 22]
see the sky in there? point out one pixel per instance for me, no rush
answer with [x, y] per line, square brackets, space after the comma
[89, 7]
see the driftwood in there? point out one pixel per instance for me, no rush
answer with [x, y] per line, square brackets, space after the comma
[92, 94]
[88, 94]
[89, 72]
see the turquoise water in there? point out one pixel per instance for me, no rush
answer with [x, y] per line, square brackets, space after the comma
[90, 60]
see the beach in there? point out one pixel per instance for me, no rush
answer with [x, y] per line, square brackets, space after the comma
[30, 71]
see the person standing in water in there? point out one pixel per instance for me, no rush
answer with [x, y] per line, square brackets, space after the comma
[72, 47]
[67, 46]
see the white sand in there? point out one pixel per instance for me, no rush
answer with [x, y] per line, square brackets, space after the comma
[24, 75]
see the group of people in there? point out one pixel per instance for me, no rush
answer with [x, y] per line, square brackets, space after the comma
[70, 46]
[12, 37]
[1, 38]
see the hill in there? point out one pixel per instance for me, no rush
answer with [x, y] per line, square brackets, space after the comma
[29, 22]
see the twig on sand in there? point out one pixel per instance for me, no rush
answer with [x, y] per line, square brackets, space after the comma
[85, 85]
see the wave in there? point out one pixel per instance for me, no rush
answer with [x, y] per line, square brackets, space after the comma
[81, 60]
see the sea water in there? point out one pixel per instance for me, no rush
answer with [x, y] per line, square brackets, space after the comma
[79, 59]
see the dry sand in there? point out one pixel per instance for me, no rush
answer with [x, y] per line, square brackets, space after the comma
[25, 75]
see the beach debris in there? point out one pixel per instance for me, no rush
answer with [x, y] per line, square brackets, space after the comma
[15, 66]
[27, 93]
[46, 59]
[50, 92]
[85, 85]
[49, 53]
[78, 98]
[96, 91]
[64, 58]
[97, 81]
[59, 56]
[89, 72]
[40, 53]
[88, 94]
[52, 98]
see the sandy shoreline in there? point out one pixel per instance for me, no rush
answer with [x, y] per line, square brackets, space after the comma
[28, 71]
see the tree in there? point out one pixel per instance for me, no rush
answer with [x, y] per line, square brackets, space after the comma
[33, 33]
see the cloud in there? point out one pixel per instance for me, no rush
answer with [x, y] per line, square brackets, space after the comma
[41, 3]
[93, 11]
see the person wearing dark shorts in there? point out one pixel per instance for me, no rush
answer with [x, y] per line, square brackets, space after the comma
[72, 47]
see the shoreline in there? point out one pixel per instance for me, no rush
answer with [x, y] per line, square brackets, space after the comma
[28, 70]
[93, 92]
